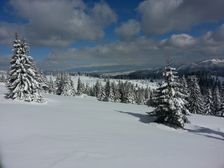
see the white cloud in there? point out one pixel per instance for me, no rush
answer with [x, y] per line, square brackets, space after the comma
[141, 52]
[60, 23]
[216, 36]
[128, 30]
[7, 32]
[180, 41]
[103, 14]
[161, 16]
[129, 53]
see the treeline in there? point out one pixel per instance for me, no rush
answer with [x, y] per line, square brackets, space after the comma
[204, 95]
[177, 97]
[119, 91]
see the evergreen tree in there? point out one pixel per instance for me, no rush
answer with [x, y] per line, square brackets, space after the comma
[107, 91]
[23, 78]
[147, 95]
[97, 89]
[80, 87]
[216, 100]
[196, 102]
[51, 86]
[87, 90]
[130, 92]
[170, 103]
[115, 92]
[221, 111]
[222, 92]
[122, 92]
[140, 96]
[59, 84]
[209, 103]
[67, 85]
[102, 95]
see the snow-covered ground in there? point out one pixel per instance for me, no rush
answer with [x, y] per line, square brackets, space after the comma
[81, 132]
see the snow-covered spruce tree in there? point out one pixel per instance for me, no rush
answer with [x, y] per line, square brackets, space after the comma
[147, 95]
[23, 78]
[108, 93]
[51, 86]
[209, 103]
[184, 88]
[126, 92]
[221, 111]
[115, 92]
[140, 96]
[121, 92]
[130, 92]
[102, 96]
[222, 91]
[216, 100]
[64, 85]
[44, 82]
[97, 89]
[196, 101]
[80, 87]
[67, 85]
[170, 103]
[59, 84]
[87, 90]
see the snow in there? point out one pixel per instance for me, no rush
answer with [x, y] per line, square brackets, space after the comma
[214, 61]
[81, 132]
[92, 81]
[211, 63]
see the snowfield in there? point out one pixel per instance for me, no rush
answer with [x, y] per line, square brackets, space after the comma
[81, 132]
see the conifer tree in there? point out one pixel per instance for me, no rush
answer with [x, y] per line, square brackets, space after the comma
[97, 89]
[80, 87]
[140, 96]
[196, 102]
[102, 95]
[130, 92]
[221, 111]
[216, 100]
[115, 92]
[87, 89]
[59, 84]
[147, 95]
[23, 78]
[67, 85]
[209, 103]
[107, 91]
[170, 103]
[51, 86]
[122, 92]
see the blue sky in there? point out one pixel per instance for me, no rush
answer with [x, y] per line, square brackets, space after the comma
[79, 34]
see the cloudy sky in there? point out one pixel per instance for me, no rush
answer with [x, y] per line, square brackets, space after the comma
[113, 34]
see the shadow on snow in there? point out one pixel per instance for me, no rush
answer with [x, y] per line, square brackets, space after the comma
[203, 131]
[207, 132]
[144, 118]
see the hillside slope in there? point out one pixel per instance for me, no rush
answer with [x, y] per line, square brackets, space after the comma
[80, 132]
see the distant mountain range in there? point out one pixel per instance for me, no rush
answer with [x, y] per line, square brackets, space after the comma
[213, 67]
